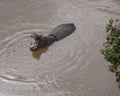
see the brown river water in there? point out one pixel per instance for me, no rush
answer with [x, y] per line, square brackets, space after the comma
[73, 66]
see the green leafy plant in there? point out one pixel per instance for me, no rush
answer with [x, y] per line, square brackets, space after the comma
[111, 50]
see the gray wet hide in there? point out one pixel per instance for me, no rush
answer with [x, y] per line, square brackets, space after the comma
[63, 30]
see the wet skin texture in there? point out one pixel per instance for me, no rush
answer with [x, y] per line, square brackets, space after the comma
[72, 66]
[57, 34]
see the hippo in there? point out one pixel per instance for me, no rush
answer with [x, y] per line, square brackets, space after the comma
[58, 33]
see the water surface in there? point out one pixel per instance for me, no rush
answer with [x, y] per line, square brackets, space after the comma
[70, 67]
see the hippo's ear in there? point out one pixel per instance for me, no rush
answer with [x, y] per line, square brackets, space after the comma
[36, 36]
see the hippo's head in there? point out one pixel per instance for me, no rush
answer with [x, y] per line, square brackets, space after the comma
[34, 45]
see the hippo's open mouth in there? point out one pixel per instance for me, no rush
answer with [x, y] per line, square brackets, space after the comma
[34, 45]
[37, 38]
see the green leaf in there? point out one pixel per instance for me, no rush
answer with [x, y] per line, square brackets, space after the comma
[111, 48]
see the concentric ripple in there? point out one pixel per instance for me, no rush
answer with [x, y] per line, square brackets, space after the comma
[69, 67]
[19, 66]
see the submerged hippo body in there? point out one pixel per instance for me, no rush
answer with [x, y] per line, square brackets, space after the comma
[56, 34]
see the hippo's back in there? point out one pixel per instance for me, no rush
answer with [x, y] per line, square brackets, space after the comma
[63, 30]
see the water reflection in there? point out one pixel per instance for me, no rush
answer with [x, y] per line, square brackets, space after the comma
[68, 67]
[117, 2]
[37, 54]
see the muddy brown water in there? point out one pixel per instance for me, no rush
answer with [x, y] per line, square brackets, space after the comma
[70, 67]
